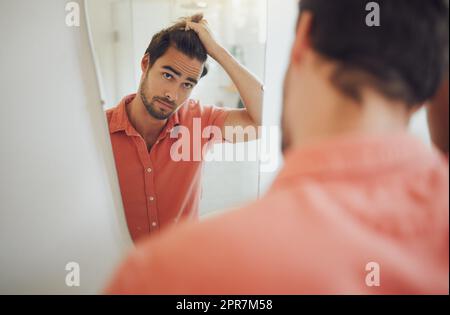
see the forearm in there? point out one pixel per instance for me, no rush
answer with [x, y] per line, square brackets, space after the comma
[249, 87]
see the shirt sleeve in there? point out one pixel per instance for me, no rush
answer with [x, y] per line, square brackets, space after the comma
[213, 116]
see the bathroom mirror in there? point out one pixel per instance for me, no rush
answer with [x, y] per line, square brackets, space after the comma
[121, 31]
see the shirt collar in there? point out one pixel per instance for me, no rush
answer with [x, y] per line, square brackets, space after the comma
[121, 122]
[353, 155]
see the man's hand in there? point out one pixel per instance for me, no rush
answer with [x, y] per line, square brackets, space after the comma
[206, 36]
[249, 87]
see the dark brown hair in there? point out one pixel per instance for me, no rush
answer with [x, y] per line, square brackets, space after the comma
[404, 58]
[175, 36]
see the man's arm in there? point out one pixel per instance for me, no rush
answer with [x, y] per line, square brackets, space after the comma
[249, 87]
[438, 118]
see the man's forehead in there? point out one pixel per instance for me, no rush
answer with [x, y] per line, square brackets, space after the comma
[186, 66]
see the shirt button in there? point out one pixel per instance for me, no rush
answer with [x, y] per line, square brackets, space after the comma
[152, 198]
[149, 170]
[154, 224]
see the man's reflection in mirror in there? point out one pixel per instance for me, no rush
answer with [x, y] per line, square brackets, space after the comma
[158, 187]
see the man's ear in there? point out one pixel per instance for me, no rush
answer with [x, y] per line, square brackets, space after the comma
[302, 38]
[205, 70]
[145, 63]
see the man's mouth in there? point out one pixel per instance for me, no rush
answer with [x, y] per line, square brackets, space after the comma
[165, 105]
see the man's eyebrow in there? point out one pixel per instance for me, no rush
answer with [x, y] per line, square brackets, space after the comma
[178, 73]
[192, 80]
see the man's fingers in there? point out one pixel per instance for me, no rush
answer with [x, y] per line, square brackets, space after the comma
[192, 26]
[200, 27]
[188, 26]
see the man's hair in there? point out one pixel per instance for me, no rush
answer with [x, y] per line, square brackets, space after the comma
[175, 36]
[405, 58]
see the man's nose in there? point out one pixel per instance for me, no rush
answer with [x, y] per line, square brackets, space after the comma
[171, 95]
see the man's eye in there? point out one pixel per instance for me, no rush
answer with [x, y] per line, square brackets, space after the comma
[167, 76]
[188, 86]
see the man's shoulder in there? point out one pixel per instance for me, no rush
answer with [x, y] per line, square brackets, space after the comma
[220, 234]
[110, 112]
[208, 114]
[230, 243]
[259, 230]
[193, 108]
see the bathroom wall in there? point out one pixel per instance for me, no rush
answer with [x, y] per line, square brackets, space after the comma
[59, 198]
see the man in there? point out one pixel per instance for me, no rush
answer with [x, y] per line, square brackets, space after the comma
[157, 188]
[360, 207]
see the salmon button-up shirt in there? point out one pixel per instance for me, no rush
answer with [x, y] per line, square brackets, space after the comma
[157, 190]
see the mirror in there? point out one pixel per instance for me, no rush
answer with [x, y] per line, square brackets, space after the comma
[228, 174]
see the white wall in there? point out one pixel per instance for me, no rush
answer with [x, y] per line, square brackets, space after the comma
[419, 126]
[59, 198]
[103, 38]
[280, 35]
[148, 17]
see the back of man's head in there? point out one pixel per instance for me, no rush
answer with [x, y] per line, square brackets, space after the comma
[403, 58]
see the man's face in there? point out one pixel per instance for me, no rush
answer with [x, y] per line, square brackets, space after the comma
[169, 82]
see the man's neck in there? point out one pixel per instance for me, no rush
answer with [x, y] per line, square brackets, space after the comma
[333, 115]
[147, 126]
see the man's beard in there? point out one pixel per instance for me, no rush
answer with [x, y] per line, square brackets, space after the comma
[152, 109]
